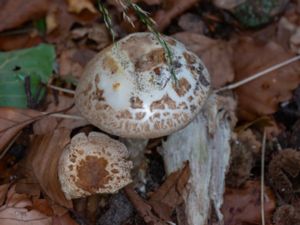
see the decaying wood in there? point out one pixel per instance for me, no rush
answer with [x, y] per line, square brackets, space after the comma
[205, 144]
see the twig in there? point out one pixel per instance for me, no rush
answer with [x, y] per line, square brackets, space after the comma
[259, 74]
[61, 89]
[66, 116]
[262, 182]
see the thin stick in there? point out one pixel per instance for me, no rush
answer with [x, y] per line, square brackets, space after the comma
[66, 116]
[262, 182]
[61, 89]
[259, 74]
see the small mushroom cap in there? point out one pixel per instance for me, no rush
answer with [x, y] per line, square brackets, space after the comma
[127, 89]
[93, 164]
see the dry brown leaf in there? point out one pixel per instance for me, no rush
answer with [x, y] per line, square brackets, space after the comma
[3, 192]
[72, 61]
[17, 12]
[63, 220]
[17, 41]
[43, 160]
[49, 124]
[12, 121]
[242, 206]
[62, 21]
[216, 55]
[169, 195]
[190, 22]
[18, 210]
[142, 207]
[76, 6]
[261, 96]
[170, 10]
[158, 210]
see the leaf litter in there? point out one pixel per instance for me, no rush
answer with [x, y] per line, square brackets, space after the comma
[77, 32]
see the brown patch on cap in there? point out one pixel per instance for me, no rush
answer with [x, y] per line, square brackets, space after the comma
[157, 71]
[150, 60]
[99, 94]
[101, 106]
[110, 64]
[182, 87]
[164, 102]
[189, 58]
[116, 86]
[136, 103]
[125, 114]
[140, 115]
[183, 105]
[92, 174]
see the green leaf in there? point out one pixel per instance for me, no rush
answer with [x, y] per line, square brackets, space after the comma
[32, 64]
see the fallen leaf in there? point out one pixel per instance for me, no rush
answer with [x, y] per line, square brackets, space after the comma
[12, 121]
[72, 61]
[158, 210]
[216, 55]
[262, 96]
[143, 209]
[17, 12]
[63, 21]
[18, 41]
[47, 125]
[43, 158]
[64, 220]
[36, 64]
[28, 186]
[76, 6]
[3, 192]
[170, 10]
[18, 210]
[242, 206]
[169, 195]
[191, 22]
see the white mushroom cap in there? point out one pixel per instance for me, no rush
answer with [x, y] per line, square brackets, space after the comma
[127, 89]
[93, 164]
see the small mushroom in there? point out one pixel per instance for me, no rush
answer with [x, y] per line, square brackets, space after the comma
[128, 90]
[93, 164]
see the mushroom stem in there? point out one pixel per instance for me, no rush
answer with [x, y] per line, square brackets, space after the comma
[205, 144]
[136, 151]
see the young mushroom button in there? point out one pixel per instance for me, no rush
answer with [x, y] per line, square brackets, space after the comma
[93, 164]
[127, 89]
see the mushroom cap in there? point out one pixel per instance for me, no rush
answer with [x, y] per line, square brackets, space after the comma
[127, 89]
[93, 164]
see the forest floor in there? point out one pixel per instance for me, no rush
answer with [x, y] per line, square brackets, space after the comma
[45, 46]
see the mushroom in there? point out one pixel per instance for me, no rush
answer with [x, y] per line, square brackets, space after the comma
[127, 89]
[93, 164]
